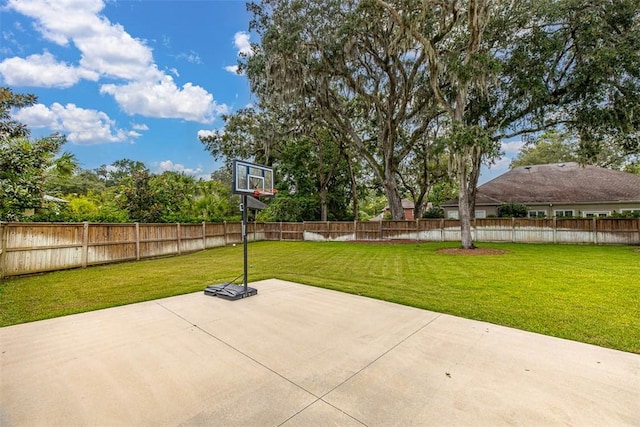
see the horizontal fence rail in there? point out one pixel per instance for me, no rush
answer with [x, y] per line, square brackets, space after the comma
[27, 248]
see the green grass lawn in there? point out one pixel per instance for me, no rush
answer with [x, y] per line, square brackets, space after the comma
[583, 293]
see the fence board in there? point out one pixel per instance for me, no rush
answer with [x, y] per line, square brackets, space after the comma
[292, 231]
[34, 247]
[371, 230]
[110, 243]
[191, 238]
[619, 231]
[332, 231]
[574, 230]
[214, 234]
[272, 230]
[533, 230]
[399, 230]
[233, 232]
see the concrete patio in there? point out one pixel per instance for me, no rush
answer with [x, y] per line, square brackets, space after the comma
[296, 355]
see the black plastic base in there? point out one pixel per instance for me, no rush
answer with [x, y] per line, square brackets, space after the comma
[229, 291]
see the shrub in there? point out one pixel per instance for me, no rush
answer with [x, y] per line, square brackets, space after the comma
[512, 210]
[434, 212]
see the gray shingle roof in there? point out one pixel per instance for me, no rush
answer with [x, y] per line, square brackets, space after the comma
[559, 183]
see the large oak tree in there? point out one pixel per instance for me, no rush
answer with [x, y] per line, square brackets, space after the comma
[348, 63]
[502, 68]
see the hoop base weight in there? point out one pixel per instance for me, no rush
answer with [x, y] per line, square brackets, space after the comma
[229, 291]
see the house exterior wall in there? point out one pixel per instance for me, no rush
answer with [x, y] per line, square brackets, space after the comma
[408, 213]
[552, 210]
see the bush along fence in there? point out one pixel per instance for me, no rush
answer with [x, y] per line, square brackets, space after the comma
[27, 248]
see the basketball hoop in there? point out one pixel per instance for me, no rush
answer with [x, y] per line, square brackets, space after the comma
[264, 193]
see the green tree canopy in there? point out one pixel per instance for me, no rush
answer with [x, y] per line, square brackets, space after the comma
[346, 64]
[550, 147]
[23, 162]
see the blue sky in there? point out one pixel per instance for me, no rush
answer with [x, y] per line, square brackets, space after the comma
[136, 79]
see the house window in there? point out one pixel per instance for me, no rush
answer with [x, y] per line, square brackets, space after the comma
[537, 214]
[452, 215]
[596, 214]
[481, 214]
[563, 214]
[633, 211]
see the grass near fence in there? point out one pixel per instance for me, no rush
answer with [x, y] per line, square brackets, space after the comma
[583, 293]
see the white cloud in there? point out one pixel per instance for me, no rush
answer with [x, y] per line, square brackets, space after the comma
[139, 126]
[42, 71]
[203, 133]
[191, 57]
[113, 52]
[82, 126]
[501, 164]
[168, 165]
[164, 99]
[241, 41]
[512, 148]
[60, 20]
[107, 50]
[232, 69]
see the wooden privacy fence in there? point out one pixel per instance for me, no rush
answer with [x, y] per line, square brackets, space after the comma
[36, 247]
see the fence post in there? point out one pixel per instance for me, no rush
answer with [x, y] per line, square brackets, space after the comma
[3, 248]
[594, 227]
[178, 236]
[555, 229]
[204, 235]
[224, 232]
[85, 244]
[137, 241]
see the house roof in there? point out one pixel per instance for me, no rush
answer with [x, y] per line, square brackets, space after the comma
[406, 204]
[559, 183]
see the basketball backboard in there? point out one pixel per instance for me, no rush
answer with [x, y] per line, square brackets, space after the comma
[252, 179]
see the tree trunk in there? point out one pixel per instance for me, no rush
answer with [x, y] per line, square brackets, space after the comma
[323, 204]
[466, 239]
[474, 176]
[393, 195]
[354, 189]
[419, 203]
[464, 202]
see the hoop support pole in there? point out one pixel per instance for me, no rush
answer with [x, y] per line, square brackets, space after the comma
[245, 243]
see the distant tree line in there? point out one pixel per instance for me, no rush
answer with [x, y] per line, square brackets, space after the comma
[410, 97]
[361, 103]
[40, 182]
